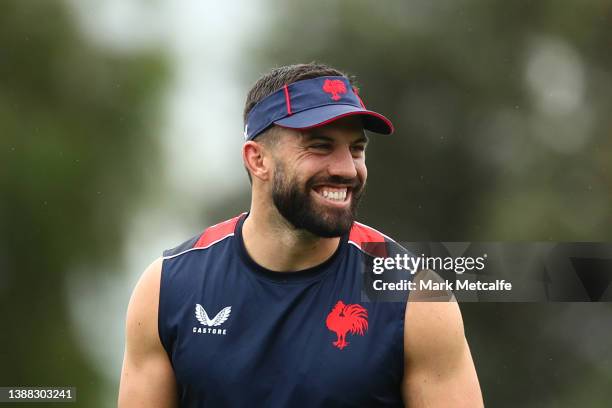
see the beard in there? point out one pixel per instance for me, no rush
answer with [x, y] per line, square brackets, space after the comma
[296, 204]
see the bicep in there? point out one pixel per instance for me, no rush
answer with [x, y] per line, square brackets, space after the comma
[439, 370]
[147, 378]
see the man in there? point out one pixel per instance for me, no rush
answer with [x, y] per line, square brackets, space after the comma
[265, 309]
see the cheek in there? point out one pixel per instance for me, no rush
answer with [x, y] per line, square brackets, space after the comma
[362, 170]
[307, 167]
[292, 175]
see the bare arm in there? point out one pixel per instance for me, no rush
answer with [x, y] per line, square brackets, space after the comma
[439, 371]
[147, 378]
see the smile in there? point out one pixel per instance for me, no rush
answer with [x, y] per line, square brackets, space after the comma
[338, 195]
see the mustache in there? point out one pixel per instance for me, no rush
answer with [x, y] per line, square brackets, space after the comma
[353, 183]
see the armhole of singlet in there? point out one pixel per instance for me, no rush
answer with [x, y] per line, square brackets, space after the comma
[403, 308]
[400, 337]
[167, 255]
[161, 332]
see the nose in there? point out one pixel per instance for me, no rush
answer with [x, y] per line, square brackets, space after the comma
[342, 163]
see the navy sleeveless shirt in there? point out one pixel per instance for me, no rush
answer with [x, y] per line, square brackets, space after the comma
[239, 335]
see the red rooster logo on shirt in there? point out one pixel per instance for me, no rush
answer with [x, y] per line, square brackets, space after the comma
[345, 319]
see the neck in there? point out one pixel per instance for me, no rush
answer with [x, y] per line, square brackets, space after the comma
[273, 243]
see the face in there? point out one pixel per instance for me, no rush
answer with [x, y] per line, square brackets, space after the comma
[320, 175]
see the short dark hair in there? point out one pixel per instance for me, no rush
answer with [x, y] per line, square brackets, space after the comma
[281, 76]
[277, 78]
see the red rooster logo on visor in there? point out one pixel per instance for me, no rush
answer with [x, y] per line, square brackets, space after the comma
[335, 87]
[345, 319]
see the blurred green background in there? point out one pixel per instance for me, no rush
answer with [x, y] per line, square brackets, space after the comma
[120, 135]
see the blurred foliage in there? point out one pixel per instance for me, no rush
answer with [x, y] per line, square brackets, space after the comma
[76, 150]
[482, 154]
[468, 160]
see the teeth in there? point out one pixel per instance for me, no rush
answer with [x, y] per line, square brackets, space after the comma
[334, 195]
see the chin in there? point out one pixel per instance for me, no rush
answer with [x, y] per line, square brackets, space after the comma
[331, 227]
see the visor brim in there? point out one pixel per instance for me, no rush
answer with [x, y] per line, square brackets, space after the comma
[322, 115]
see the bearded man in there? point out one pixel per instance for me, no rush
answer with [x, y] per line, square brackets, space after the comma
[266, 309]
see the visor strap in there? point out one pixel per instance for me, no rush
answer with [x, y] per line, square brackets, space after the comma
[358, 97]
[287, 100]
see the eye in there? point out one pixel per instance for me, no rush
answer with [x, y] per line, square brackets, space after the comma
[321, 146]
[358, 148]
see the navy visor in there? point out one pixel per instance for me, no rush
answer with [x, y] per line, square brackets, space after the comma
[311, 103]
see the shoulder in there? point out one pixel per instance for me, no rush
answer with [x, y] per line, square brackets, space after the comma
[146, 377]
[141, 319]
[147, 287]
[438, 365]
[433, 327]
[211, 236]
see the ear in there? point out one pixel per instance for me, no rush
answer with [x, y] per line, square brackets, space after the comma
[253, 156]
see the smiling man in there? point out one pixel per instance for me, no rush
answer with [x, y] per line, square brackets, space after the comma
[265, 309]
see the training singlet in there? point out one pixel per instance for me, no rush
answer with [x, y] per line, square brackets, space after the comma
[239, 335]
